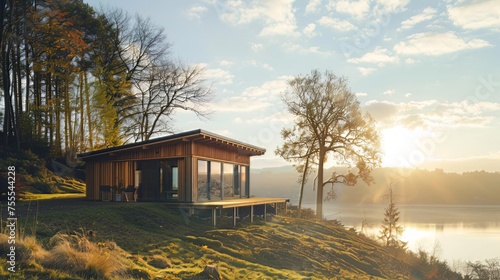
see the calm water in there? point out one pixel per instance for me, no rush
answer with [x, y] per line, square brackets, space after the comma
[452, 233]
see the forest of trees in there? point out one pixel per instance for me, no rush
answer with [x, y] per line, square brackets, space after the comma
[74, 79]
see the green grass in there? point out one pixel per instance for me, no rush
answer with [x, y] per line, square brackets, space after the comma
[149, 240]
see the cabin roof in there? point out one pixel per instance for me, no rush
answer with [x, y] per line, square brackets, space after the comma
[197, 135]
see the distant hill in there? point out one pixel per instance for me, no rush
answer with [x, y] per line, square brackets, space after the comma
[412, 186]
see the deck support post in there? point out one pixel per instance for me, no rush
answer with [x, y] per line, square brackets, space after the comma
[214, 217]
[276, 208]
[286, 207]
[265, 212]
[251, 213]
[235, 209]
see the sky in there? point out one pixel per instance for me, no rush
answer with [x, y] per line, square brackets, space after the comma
[428, 71]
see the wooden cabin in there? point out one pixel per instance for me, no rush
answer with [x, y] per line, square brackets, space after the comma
[194, 166]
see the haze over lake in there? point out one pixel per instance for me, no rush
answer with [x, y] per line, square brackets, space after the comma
[451, 232]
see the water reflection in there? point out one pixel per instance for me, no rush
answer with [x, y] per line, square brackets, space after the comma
[451, 233]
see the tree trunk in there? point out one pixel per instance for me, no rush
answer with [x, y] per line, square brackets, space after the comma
[319, 194]
[89, 114]
[81, 108]
[304, 174]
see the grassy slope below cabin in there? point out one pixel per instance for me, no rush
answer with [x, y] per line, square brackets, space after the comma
[79, 239]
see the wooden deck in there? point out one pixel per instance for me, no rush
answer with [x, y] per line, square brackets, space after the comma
[230, 203]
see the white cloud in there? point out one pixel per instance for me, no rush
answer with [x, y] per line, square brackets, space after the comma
[427, 14]
[432, 113]
[289, 47]
[410, 60]
[196, 12]
[361, 94]
[389, 92]
[256, 47]
[356, 8]
[262, 65]
[408, 94]
[366, 70]
[255, 98]
[437, 44]
[310, 30]
[392, 6]
[336, 24]
[219, 75]
[238, 104]
[226, 63]
[476, 15]
[313, 6]
[277, 16]
[379, 56]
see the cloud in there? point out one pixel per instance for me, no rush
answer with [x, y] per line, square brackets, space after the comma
[437, 44]
[483, 14]
[408, 94]
[256, 47]
[219, 75]
[356, 8]
[366, 70]
[361, 94]
[226, 63]
[289, 47]
[392, 6]
[310, 30]
[259, 64]
[389, 92]
[196, 12]
[379, 56]
[254, 98]
[277, 16]
[432, 113]
[336, 24]
[427, 14]
[313, 6]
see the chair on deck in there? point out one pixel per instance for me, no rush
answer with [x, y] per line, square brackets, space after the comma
[105, 189]
[129, 191]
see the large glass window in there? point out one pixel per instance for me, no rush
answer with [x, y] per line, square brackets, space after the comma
[244, 181]
[203, 180]
[215, 180]
[228, 180]
[236, 180]
[218, 180]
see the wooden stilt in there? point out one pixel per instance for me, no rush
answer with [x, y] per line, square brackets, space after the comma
[251, 213]
[214, 217]
[234, 216]
[265, 212]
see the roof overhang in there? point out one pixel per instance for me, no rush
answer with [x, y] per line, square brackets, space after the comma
[199, 135]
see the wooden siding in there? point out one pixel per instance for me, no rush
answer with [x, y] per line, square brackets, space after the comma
[110, 173]
[220, 153]
[159, 151]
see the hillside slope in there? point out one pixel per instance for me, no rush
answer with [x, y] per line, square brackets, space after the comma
[149, 240]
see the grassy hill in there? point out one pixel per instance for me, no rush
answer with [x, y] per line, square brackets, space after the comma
[78, 239]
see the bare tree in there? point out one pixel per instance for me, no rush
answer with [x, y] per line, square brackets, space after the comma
[329, 122]
[162, 90]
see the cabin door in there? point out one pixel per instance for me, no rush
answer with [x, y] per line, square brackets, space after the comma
[169, 180]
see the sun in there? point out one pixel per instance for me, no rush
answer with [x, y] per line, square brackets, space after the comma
[397, 144]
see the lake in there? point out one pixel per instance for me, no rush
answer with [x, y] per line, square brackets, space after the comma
[452, 233]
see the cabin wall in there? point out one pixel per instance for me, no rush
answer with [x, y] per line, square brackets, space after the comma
[110, 173]
[159, 151]
[220, 153]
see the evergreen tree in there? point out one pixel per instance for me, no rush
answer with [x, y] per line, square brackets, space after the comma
[391, 231]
